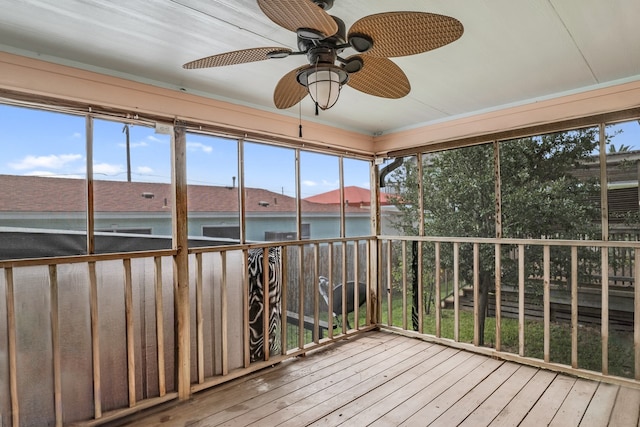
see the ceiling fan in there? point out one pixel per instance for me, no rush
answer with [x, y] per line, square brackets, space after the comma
[323, 37]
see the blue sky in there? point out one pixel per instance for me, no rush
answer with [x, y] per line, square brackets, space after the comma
[42, 143]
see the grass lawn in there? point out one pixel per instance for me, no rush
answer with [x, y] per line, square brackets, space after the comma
[589, 338]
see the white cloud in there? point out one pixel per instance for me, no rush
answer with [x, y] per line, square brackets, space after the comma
[40, 173]
[134, 144]
[107, 169]
[194, 146]
[309, 183]
[154, 138]
[49, 174]
[77, 135]
[144, 169]
[52, 161]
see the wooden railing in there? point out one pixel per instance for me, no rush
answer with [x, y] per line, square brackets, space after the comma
[545, 273]
[93, 338]
[305, 321]
[76, 349]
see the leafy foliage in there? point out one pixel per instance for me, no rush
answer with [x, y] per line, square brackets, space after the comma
[541, 197]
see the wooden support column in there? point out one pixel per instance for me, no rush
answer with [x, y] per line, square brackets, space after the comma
[498, 251]
[374, 260]
[420, 308]
[180, 261]
[91, 244]
[343, 223]
[604, 185]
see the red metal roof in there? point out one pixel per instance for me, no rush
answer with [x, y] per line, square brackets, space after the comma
[356, 196]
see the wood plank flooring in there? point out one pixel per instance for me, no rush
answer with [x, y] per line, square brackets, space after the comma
[384, 379]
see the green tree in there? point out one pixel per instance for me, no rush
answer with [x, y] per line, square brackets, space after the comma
[541, 198]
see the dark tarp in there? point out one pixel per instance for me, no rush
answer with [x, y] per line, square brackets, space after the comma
[36, 244]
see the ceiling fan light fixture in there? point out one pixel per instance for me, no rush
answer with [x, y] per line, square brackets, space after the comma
[323, 84]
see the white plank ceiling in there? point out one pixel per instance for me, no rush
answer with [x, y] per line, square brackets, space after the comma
[512, 51]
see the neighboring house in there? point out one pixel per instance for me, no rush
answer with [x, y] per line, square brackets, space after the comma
[361, 197]
[353, 196]
[59, 204]
[623, 171]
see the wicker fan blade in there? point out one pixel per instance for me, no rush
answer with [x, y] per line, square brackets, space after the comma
[380, 77]
[288, 91]
[296, 14]
[237, 57]
[407, 33]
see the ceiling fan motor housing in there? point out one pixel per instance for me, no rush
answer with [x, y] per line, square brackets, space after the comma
[324, 4]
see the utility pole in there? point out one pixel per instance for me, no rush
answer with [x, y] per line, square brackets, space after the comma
[125, 129]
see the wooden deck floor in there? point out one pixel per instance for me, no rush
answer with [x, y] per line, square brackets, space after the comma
[383, 379]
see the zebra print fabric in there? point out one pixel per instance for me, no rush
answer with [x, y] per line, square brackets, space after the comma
[256, 302]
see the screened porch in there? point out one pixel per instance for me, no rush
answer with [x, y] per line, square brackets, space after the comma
[144, 294]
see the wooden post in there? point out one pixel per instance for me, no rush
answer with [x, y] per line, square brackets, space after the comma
[389, 285]
[298, 196]
[344, 313]
[128, 309]
[546, 300]
[181, 262]
[95, 340]
[224, 312]
[199, 319]
[498, 290]
[404, 285]
[330, 289]
[604, 310]
[245, 307]
[343, 227]
[373, 262]
[521, 299]
[574, 307]
[376, 301]
[55, 343]
[438, 289]
[456, 291]
[604, 185]
[89, 188]
[636, 318]
[498, 253]
[241, 195]
[162, 384]
[284, 269]
[316, 292]
[420, 173]
[266, 310]
[356, 281]
[476, 294]
[301, 286]
[420, 287]
[13, 358]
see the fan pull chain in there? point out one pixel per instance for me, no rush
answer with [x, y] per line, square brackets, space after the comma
[300, 119]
